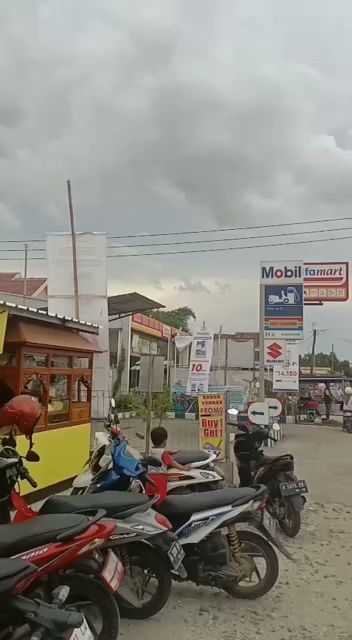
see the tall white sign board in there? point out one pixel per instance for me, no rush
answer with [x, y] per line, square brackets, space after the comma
[93, 301]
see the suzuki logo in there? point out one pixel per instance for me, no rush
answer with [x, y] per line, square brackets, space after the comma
[274, 351]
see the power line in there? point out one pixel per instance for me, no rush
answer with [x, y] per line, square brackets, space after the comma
[22, 250]
[224, 229]
[252, 246]
[20, 241]
[184, 242]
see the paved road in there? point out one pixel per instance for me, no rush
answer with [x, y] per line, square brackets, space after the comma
[312, 600]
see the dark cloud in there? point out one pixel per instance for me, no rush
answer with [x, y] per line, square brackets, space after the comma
[173, 114]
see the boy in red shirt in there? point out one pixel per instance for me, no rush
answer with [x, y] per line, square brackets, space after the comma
[159, 437]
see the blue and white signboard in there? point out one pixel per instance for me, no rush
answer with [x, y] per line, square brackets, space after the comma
[282, 296]
[283, 311]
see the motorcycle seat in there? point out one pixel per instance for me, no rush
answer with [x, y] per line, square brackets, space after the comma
[119, 504]
[185, 506]
[191, 455]
[266, 460]
[12, 571]
[18, 538]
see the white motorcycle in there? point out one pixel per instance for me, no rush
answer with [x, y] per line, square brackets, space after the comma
[203, 475]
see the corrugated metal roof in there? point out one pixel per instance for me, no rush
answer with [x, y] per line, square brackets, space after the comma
[22, 311]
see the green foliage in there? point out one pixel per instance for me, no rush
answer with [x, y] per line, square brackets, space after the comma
[178, 318]
[125, 403]
[328, 360]
[162, 404]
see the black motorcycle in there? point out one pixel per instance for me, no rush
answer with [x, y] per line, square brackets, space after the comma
[286, 493]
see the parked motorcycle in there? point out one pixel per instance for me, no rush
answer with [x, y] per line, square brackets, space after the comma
[27, 617]
[57, 545]
[115, 465]
[242, 562]
[142, 539]
[286, 493]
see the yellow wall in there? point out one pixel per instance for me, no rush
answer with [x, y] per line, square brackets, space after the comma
[63, 453]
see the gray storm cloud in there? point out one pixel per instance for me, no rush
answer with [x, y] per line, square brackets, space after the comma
[171, 115]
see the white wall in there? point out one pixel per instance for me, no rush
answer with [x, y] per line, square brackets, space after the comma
[93, 301]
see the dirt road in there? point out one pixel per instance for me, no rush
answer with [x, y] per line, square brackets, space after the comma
[312, 600]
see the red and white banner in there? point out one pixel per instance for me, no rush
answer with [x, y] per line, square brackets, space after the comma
[201, 355]
[326, 281]
[275, 352]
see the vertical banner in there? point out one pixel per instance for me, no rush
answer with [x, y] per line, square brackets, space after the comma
[3, 325]
[286, 377]
[212, 422]
[201, 355]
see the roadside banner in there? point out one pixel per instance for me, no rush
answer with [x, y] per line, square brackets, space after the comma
[326, 281]
[201, 355]
[275, 352]
[3, 326]
[286, 377]
[212, 422]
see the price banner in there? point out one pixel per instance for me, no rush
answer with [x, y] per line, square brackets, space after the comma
[212, 422]
[201, 354]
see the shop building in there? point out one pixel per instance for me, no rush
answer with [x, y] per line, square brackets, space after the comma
[52, 355]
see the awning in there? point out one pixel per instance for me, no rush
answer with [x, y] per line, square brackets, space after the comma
[126, 304]
[40, 335]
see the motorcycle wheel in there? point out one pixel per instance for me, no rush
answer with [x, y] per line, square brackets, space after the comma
[255, 546]
[291, 525]
[98, 605]
[146, 567]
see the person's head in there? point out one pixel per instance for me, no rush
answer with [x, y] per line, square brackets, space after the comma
[159, 437]
[348, 391]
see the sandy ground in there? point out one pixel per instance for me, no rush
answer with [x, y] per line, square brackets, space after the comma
[313, 597]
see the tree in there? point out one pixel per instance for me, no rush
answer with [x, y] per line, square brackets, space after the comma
[178, 318]
[328, 361]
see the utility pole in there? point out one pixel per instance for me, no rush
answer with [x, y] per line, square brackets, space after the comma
[332, 366]
[261, 343]
[312, 361]
[25, 279]
[74, 250]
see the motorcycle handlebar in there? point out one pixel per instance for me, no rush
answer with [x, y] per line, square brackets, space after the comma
[27, 476]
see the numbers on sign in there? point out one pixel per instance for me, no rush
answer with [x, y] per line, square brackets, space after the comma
[197, 367]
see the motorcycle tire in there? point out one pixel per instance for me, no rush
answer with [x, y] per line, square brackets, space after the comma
[88, 594]
[291, 525]
[144, 558]
[256, 542]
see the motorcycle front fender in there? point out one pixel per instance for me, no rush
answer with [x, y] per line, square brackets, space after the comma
[274, 541]
[297, 502]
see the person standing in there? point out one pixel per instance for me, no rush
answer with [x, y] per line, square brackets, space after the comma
[327, 400]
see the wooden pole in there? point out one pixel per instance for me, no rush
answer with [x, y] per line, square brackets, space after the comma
[25, 280]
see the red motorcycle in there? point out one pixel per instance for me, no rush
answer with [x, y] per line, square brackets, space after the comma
[23, 616]
[56, 545]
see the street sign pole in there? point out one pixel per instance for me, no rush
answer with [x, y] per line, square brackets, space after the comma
[261, 342]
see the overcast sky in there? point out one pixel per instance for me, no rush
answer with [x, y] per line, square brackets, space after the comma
[180, 114]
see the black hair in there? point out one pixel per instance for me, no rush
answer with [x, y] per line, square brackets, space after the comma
[158, 436]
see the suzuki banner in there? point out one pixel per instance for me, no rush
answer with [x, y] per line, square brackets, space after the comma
[201, 356]
[275, 352]
[286, 377]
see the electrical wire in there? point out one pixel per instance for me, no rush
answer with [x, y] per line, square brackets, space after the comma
[225, 229]
[253, 246]
[184, 242]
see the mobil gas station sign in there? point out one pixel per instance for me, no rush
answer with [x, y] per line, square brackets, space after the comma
[326, 281]
[282, 299]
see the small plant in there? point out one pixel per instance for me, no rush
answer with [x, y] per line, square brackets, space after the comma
[162, 404]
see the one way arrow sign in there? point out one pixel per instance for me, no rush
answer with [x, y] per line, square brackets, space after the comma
[258, 413]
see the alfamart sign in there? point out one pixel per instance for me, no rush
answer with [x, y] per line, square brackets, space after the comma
[326, 281]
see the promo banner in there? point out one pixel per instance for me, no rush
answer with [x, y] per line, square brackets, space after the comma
[283, 314]
[286, 377]
[212, 422]
[201, 355]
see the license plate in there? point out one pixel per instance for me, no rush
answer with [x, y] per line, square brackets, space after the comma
[83, 633]
[176, 555]
[113, 572]
[293, 488]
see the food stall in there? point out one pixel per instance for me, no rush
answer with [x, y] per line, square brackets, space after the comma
[51, 356]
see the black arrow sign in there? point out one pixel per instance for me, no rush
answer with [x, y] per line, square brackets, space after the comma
[257, 413]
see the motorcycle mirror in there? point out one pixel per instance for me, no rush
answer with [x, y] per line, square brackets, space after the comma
[113, 403]
[32, 456]
[232, 412]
